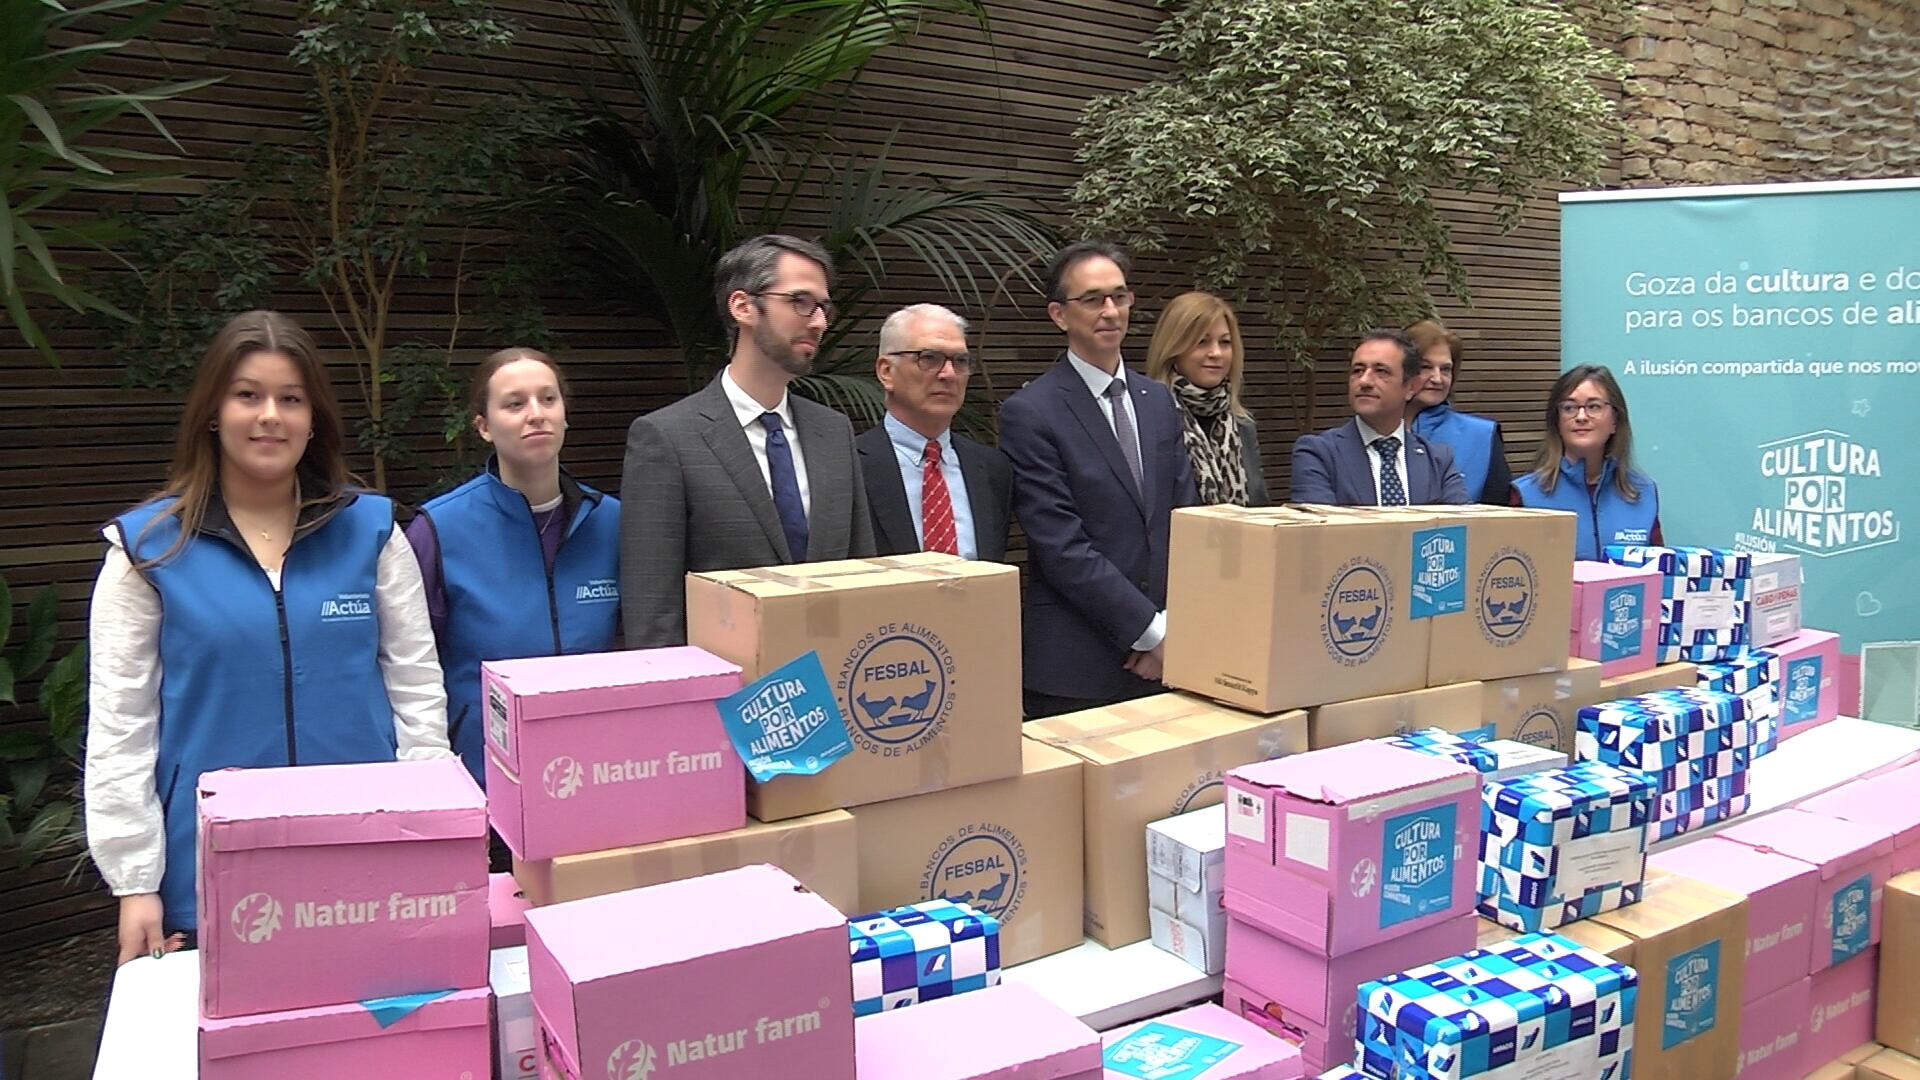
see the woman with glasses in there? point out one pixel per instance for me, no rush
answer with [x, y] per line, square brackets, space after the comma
[1478, 451]
[1196, 351]
[1586, 466]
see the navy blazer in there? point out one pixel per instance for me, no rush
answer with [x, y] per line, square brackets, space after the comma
[989, 482]
[1096, 543]
[1332, 468]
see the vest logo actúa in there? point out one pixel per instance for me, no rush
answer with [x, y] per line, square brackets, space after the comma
[897, 686]
[347, 607]
[257, 917]
[1507, 597]
[1356, 612]
[983, 865]
[564, 777]
[597, 591]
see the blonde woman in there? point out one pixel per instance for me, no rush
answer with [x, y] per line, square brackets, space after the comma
[1196, 350]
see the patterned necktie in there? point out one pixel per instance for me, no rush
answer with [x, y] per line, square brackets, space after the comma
[1391, 491]
[786, 486]
[936, 505]
[1123, 428]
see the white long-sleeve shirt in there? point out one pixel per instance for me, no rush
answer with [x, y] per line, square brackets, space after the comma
[124, 828]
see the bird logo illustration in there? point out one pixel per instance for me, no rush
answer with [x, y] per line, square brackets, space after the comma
[631, 1060]
[1506, 597]
[255, 918]
[898, 688]
[563, 777]
[1356, 612]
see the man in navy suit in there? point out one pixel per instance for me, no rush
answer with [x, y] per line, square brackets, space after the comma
[1375, 459]
[1099, 465]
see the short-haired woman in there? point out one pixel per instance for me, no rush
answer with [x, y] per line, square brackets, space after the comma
[1478, 451]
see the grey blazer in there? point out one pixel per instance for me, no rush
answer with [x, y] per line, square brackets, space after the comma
[1250, 456]
[693, 499]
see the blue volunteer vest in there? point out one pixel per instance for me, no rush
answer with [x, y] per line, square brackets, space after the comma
[1470, 438]
[1606, 516]
[501, 602]
[253, 678]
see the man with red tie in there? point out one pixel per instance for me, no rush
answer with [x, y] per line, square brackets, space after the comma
[928, 488]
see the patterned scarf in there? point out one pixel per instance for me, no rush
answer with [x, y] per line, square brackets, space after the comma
[1213, 443]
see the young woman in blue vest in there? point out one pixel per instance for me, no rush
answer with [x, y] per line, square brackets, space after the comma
[521, 560]
[1478, 451]
[261, 610]
[1586, 466]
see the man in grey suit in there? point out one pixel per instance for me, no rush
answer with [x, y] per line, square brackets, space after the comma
[742, 473]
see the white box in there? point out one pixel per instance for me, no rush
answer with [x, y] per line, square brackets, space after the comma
[1202, 946]
[1777, 581]
[1186, 864]
[1519, 759]
[516, 1034]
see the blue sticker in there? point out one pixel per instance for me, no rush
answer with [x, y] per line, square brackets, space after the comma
[1157, 1051]
[1852, 918]
[388, 1011]
[1416, 860]
[1802, 691]
[1620, 622]
[787, 723]
[1439, 571]
[1693, 995]
[1483, 733]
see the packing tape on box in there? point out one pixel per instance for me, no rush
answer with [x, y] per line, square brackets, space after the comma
[1224, 538]
[935, 769]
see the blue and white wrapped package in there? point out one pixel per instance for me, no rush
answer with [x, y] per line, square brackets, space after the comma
[1694, 745]
[1563, 845]
[934, 949]
[1538, 1004]
[1439, 742]
[1706, 605]
[1758, 677]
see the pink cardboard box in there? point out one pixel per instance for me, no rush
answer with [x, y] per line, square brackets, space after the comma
[611, 749]
[1174, 1045]
[1312, 1000]
[1773, 1034]
[326, 884]
[449, 1036]
[507, 909]
[1853, 860]
[1890, 801]
[1781, 897]
[1616, 617]
[1005, 1032]
[737, 974]
[1349, 846]
[1810, 679]
[1840, 1013]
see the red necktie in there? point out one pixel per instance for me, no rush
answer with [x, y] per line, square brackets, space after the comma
[936, 505]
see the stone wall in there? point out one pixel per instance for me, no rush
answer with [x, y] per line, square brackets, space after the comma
[1743, 91]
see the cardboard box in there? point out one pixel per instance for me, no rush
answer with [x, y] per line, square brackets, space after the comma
[1450, 708]
[1560, 846]
[1689, 946]
[1852, 860]
[1706, 606]
[516, 1032]
[1777, 580]
[1694, 744]
[1496, 759]
[1755, 677]
[606, 749]
[1342, 848]
[1810, 680]
[1186, 890]
[1284, 607]
[921, 952]
[1201, 942]
[1890, 1065]
[1145, 760]
[1031, 1037]
[1664, 677]
[1841, 1014]
[1846, 1065]
[743, 974]
[506, 912]
[1781, 900]
[1519, 595]
[1616, 613]
[1183, 1043]
[1897, 1022]
[1541, 710]
[447, 1036]
[324, 884]
[1773, 1032]
[924, 654]
[1010, 848]
[1492, 933]
[820, 850]
[1885, 802]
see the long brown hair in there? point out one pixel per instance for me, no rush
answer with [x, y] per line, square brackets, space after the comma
[1546, 467]
[478, 396]
[195, 471]
[1187, 319]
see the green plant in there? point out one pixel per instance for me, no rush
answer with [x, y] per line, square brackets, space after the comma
[1301, 145]
[39, 807]
[52, 154]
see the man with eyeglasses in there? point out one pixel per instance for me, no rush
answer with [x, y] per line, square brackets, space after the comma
[1374, 459]
[742, 473]
[1099, 464]
[930, 488]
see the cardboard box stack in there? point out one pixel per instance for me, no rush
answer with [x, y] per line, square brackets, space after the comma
[1897, 1020]
[947, 1040]
[1889, 1065]
[516, 1034]
[1540, 710]
[1511, 565]
[1186, 886]
[1205, 1042]
[1852, 861]
[1456, 708]
[331, 895]
[1777, 580]
[1706, 605]
[1809, 680]
[1694, 744]
[1496, 759]
[921, 952]
[1616, 617]
[1563, 845]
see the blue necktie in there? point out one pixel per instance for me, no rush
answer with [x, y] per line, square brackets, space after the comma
[786, 486]
[1391, 492]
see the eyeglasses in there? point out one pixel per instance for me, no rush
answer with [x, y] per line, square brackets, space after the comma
[1094, 301]
[932, 361]
[1571, 409]
[804, 304]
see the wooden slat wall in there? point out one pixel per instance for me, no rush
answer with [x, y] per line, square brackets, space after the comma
[77, 446]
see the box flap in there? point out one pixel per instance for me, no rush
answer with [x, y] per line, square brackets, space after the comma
[1667, 902]
[1016, 1034]
[1359, 772]
[267, 1032]
[650, 677]
[806, 578]
[1888, 801]
[313, 805]
[1585, 572]
[1145, 726]
[1834, 845]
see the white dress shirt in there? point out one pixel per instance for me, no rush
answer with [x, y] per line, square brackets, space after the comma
[749, 411]
[1097, 382]
[910, 450]
[1368, 437]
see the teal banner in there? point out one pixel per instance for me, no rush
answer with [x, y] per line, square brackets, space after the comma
[1767, 339]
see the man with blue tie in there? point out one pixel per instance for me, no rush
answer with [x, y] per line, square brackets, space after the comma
[930, 488]
[1374, 459]
[742, 473]
[1099, 464]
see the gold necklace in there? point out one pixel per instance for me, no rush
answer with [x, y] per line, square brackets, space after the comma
[264, 534]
